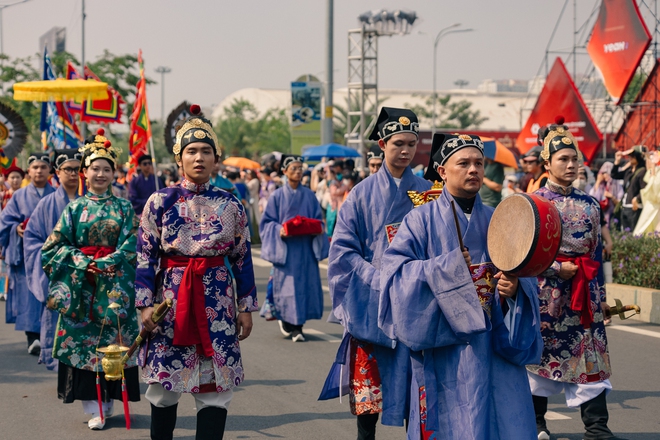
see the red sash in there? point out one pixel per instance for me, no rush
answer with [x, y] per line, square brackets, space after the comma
[581, 296]
[95, 252]
[191, 325]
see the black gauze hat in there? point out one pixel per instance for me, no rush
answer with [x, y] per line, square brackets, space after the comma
[394, 120]
[65, 155]
[288, 159]
[444, 145]
[375, 153]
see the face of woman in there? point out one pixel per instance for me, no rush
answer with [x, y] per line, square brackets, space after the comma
[99, 176]
[15, 180]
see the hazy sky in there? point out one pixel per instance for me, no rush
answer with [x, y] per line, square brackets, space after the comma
[215, 47]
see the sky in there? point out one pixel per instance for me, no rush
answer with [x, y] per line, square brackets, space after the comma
[215, 47]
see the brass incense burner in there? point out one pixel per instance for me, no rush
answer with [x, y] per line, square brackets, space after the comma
[112, 361]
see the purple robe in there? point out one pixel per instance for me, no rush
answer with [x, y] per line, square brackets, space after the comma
[41, 224]
[22, 306]
[366, 224]
[140, 188]
[297, 292]
[472, 365]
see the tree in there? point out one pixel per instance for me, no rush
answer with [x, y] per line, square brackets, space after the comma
[453, 115]
[242, 131]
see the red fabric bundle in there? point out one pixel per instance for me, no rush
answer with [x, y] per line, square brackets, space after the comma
[302, 226]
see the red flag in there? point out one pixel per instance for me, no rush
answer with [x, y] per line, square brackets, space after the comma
[106, 110]
[140, 126]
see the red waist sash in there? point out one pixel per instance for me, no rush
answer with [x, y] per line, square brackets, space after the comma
[95, 252]
[581, 296]
[191, 324]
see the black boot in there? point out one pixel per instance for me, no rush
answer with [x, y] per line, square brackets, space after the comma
[366, 424]
[540, 408]
[211, 423]
[595, 416]
[163, 421]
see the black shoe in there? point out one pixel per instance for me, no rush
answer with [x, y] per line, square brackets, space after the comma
[211, 423]
[540, 408]
[297, 336]
[163, 422]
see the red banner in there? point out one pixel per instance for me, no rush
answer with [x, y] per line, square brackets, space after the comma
[560, 97]
[617, 44]
[642, 124]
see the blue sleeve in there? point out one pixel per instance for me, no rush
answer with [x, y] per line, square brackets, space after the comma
[273, 248]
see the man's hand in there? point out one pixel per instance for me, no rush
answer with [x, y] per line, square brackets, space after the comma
[20, 230]
[466, 256]
[635, 204]
[147, 322]
[617, 157]
[607, 313]
[507, 285]
[244, 325]
[567, 270]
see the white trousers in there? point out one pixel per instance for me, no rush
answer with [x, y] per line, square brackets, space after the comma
[576, 394]
[162, 398]
[92, 407]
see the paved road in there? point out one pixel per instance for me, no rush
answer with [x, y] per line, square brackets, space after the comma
[278, 399]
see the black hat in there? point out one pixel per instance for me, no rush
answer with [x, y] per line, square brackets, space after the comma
[444, 145]
[534, 152]
[144, 157]
[196, 129]
[288, 159]
[394, 120]
[375, 152]
[65, 155]
[39, 156]
[559, 138]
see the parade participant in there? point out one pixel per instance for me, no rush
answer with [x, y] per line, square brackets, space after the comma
[193, 244]
[572, 299]
[375, 157]
[14, 178]
[368, 220]
[89, 259]
[535, 167]
[297, 295]
[143, 184]
[23, 308]
[42, 222]
[441, 298]
[632, 174]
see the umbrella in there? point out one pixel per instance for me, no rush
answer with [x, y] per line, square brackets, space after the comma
[242, 163]
[60, 90]
[494, 150]
[329, 150]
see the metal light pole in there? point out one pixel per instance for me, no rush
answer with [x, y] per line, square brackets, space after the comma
[446, 31]
[327, 131]
[2, 8]
[162, 70]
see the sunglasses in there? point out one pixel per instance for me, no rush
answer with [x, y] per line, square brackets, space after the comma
[530, 161]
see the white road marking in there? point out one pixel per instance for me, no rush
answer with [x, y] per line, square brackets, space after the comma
[260, 263]
[638, 331]
[321, 335]
[551, 415]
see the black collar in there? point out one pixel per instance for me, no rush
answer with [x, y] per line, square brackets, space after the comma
[466, 205]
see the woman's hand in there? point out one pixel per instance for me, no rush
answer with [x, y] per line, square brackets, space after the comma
[244, 325]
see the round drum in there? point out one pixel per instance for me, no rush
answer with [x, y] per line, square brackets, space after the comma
[524, 235]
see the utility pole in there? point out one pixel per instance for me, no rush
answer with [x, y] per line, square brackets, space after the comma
[162, 70]
[327, 131]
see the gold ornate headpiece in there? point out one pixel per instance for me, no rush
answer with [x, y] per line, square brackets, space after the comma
[196, 129]
[98, 147]
[558, 138]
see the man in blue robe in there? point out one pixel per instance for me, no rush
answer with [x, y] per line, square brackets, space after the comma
[295, 294]
[443, 301]
[42, 222]
[13, 220]
[366, 224]
[143, 184]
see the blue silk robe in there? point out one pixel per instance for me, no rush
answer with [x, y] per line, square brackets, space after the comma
[366, 224]
[473, 366]
[23, 307]
[41, 224]
[297, 292]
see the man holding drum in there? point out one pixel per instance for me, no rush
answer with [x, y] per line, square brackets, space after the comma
[442, 297]
[572, 299]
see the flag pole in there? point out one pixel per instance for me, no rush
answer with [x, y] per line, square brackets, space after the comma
[153, 161]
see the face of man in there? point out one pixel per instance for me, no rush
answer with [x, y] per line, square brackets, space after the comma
[38, 172]
[374, 165]
[463, 172]
[147, 167]
[197, 161]
[533, 165]
[294, 172]
[15, 179]
[68, 174]
[399, 150]
[563, 166]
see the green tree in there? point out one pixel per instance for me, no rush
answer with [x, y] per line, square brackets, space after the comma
[242, 131]
[453, 115]
[635, 86]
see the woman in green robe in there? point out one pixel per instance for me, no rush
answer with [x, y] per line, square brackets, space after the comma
[90, 262]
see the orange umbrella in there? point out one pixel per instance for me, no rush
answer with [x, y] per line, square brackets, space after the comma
[493, 149]
[242, 163]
